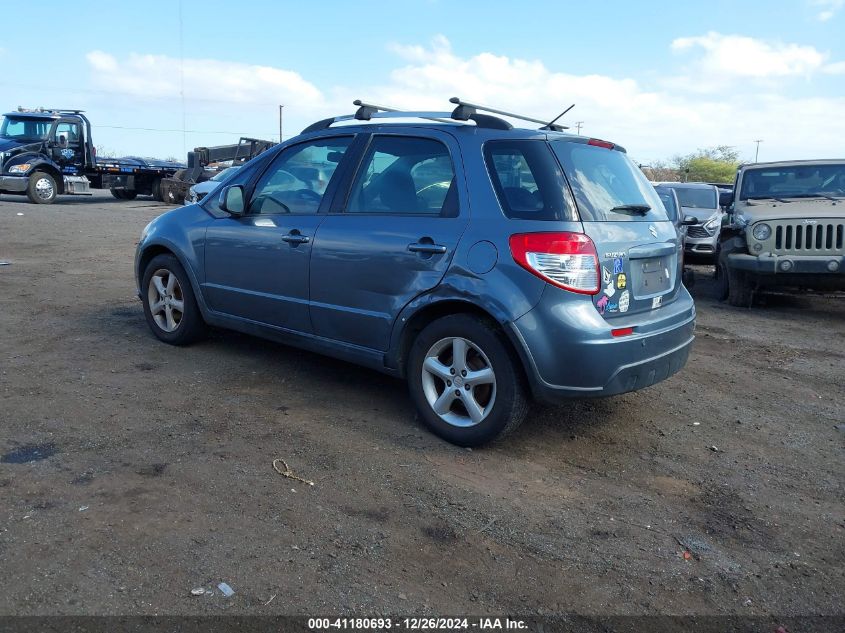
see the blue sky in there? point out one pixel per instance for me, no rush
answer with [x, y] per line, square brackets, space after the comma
[660, 78]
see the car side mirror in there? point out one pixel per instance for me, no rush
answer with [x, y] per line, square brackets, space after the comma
[726, 198]
[689, 220]
[231, 200]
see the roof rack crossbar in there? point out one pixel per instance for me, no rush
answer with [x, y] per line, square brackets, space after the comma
[370, 111]
[367, 111]
[465, 110]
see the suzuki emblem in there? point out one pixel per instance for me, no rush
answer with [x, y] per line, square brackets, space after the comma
[652, 230]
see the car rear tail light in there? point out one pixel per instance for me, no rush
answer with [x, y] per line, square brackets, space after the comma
[599, 143]
[566, 260]
[622, 331]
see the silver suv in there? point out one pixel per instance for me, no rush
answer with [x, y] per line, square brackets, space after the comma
[786, 228]
[701, 201]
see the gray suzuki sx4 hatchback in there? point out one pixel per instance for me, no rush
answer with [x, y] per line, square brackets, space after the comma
[487, 265]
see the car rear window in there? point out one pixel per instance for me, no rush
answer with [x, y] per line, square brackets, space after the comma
[527, 180]
[668, 201]
[603, 180]
[697, 198]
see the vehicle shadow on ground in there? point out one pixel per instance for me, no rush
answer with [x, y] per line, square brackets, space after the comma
[298, 371]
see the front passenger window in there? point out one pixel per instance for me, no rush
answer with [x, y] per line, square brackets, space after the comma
[298, 178]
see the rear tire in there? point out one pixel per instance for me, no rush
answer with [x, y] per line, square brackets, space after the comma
[156, 190]
[464, 381]
[169, 304]
[41, 188]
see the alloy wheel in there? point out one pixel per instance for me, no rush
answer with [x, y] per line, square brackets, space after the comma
[458, 381]
[167, 304]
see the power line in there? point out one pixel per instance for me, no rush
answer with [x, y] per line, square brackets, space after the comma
[161, 129]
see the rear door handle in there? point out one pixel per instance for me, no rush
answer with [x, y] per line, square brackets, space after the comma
[296, 238]
[422, 247]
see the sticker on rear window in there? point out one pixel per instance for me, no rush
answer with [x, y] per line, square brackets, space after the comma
[624, 300]
[618, 266]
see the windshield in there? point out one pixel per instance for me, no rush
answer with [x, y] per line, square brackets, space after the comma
[607, 185]
[668, 201]
[24, 129]
[697, 198]
[795, 181]
[223, 175]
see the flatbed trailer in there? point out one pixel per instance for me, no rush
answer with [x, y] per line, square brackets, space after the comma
[45, 153]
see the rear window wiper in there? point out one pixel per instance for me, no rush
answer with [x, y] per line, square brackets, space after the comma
[632, 208]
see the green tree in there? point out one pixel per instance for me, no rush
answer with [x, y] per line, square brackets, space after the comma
[711, 164]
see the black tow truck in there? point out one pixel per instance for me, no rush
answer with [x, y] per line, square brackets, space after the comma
[45, 153]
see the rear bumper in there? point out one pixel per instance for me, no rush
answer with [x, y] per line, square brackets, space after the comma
[14, 183]
[786, 265]
[569, 352]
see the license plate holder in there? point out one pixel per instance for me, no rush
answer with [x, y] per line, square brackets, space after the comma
[652, 277]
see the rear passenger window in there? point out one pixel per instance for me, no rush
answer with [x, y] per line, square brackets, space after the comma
[405, 175]
[527, 180]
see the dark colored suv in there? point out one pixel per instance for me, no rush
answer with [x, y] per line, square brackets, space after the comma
[485, 264]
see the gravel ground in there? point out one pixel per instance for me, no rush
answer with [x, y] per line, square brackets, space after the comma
[132, 472]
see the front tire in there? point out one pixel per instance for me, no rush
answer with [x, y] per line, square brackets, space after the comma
[41, 188]
[465, 382]
[169, 304]
[733, 285]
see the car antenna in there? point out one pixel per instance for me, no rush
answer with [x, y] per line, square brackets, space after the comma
[548, 126]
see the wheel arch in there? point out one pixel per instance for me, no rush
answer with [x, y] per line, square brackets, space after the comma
[414, 321]
[161, 248]
[51, 169]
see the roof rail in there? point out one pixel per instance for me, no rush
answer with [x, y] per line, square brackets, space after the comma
[465, 110]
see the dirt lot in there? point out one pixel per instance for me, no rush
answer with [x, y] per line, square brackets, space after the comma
[133, 472]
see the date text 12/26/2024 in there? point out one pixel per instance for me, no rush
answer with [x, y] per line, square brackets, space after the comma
[417, 624]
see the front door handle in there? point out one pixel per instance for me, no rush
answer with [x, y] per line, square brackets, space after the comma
[296, 238]
[422, 247]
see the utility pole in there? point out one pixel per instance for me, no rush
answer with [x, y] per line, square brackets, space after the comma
[578, 125]
[281, 108]
[757, 153]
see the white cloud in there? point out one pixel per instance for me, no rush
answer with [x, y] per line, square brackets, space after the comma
[736, 55]
[837, 68]
[652, 121]
[159, 76]
[827, 8]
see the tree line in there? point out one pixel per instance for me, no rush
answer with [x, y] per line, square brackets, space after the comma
[712, 164]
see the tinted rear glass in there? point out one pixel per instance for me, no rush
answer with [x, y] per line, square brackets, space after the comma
[603, 179]
[697, 198]
[527, 180]
[668, 201]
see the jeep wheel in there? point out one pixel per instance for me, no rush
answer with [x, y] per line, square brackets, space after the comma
[169, 304]
[41, 188]
[465, 382]
[739, 288]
